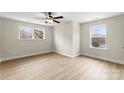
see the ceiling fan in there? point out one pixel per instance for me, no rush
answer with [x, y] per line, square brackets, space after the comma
[49, 18]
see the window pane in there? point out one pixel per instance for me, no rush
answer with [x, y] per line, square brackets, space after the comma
[25, 32]
[38, 34]
[98, 36]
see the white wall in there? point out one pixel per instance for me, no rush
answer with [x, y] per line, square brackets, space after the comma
[12, 47]
[63, 38]
[115, 39]
[0, 42]
[66, 39]
[76, 39]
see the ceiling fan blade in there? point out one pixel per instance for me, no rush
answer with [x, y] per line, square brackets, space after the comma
[51, 16]
[58, 17]
[56, 21]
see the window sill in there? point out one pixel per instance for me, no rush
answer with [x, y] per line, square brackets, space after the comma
[99, 48]
[31, 39]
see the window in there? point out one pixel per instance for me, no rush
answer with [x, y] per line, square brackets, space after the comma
[98, 36]
[31, 33]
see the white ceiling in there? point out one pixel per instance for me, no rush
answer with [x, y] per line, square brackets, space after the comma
[80, 17]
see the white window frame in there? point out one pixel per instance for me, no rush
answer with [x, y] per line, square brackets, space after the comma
[105, 37]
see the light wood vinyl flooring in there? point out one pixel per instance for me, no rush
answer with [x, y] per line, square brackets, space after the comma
[57, 67]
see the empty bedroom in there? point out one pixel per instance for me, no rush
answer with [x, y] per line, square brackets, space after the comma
[61, 45]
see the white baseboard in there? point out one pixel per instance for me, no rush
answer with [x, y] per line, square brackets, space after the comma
[25, 55]
[76, 55]
[67, 55]
[103, 58]
[62, 53]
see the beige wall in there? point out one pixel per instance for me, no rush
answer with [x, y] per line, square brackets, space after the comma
[13, 47]
[115, 39]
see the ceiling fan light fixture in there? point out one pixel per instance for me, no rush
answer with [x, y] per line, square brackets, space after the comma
[49, 18]
[49, 21]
